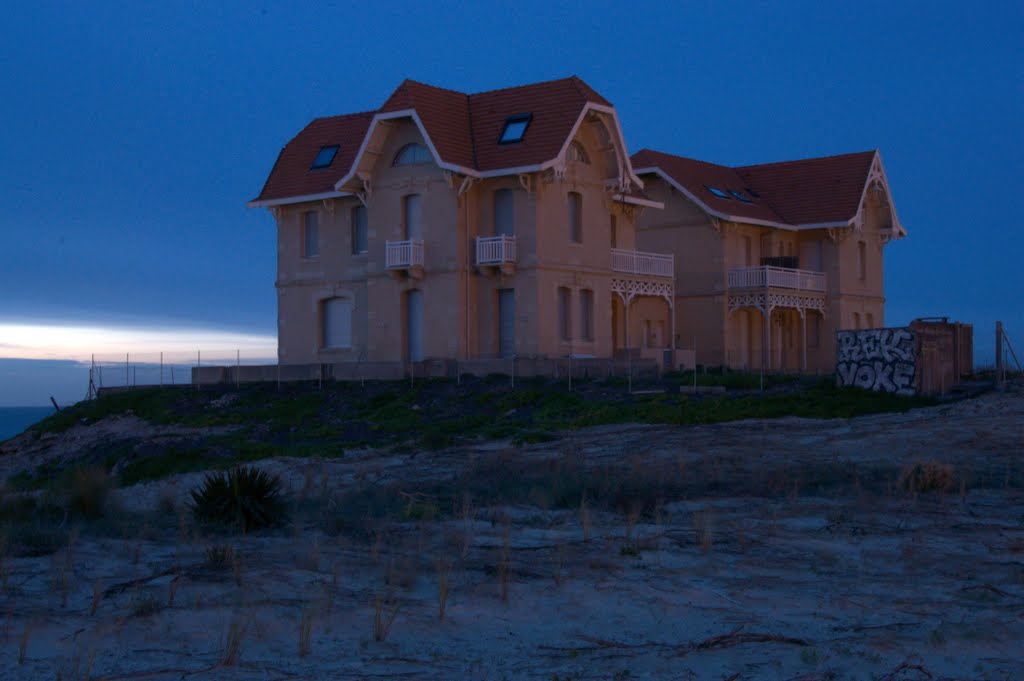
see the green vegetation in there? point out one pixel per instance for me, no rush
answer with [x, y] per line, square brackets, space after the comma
[259, 421]
[244, 498]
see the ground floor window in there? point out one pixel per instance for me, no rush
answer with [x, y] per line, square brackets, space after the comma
[337, 323]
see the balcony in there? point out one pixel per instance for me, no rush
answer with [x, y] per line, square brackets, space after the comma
[496, 252]
[404, 256]
[642, 263]
[767, 276]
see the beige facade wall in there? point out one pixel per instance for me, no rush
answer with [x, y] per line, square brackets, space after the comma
[460, 300]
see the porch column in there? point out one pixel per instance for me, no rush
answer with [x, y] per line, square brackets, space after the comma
[803, 340]
[766, 324]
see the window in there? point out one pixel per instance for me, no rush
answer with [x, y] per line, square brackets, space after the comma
[324, 157]
[504, 212]
[564, 313]
[813, 330]
[413, 155]
[614, 226]
[869, 321]
[359, 229]
[577, 153]
[587, 314]
[310, 234]
[741, 196]
[856, 320]
[515, 128]
[717, 192]
[337, 323]
[575, 217]
[862, 257]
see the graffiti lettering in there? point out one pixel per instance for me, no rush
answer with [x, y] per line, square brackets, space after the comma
[877, 359]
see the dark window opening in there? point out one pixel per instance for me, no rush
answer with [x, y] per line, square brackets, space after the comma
[717, 192]
[515, 128]
[325, 157]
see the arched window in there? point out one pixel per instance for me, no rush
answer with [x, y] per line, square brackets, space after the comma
[412, 155]
[577, 153]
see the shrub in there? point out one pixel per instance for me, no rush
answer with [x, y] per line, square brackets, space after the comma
[244, 497]
[88, 491]
[926, 476]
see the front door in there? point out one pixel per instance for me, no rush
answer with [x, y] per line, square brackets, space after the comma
[414, 324]
[507, 322]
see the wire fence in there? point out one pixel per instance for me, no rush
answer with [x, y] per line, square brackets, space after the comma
[116, 370]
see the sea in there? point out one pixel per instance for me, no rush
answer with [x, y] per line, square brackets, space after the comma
[14, 420]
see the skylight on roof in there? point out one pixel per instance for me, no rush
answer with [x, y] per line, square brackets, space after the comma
[325, 157]
[717, 192]
[741, 196]
[515, 128]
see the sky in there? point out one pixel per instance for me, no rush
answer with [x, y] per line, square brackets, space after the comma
[134, 134]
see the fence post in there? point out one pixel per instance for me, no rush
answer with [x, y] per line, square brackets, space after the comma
[999, 354]
[126, 370]
[238, 366]
[161, 369]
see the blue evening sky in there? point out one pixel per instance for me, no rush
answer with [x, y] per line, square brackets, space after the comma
[134, 133]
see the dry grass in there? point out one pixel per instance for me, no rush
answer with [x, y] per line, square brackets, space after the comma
[703, 527]
[305, 631]
[926, 476]
[384, 613]
[233, 640]
[443, 586]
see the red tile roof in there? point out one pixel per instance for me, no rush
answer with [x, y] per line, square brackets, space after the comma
[808, 191]
[464, 128]
[292, 174]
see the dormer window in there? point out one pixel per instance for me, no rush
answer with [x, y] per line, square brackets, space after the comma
[577, 153]
[412, 155]
[717, 192]
[515, 128]
[741, 196]
[325, 157]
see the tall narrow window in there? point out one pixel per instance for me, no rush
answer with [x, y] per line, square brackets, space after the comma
[615, 229]
[575, 217]
[869, 321]
[856, 320]
[359, 229]
[337, 323]
[310, 234]
[564, 313]
[862, 258]
[504, 212]
[587, 314]
[413, 214]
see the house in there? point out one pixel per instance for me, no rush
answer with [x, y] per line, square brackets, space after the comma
[446, 225]
[514, 223]
[770, 260]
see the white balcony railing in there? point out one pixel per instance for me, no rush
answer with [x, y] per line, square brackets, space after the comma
[495, 250]
[404, 254]
[776, 277]
[639, 262]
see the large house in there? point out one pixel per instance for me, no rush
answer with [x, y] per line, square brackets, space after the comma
[771, 260]
[447, 225]
[513, 223]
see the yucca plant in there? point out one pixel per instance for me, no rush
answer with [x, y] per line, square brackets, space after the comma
[244, 497]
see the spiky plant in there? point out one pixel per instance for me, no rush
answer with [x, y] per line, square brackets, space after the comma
[244, 497]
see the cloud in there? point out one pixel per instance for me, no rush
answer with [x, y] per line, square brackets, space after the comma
[21, 340]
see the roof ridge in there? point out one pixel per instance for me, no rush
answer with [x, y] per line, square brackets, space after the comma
[432, 87]
[805, 160]
[372, 112]
[522, 85]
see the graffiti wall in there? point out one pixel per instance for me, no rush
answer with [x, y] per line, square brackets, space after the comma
[884, 360]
